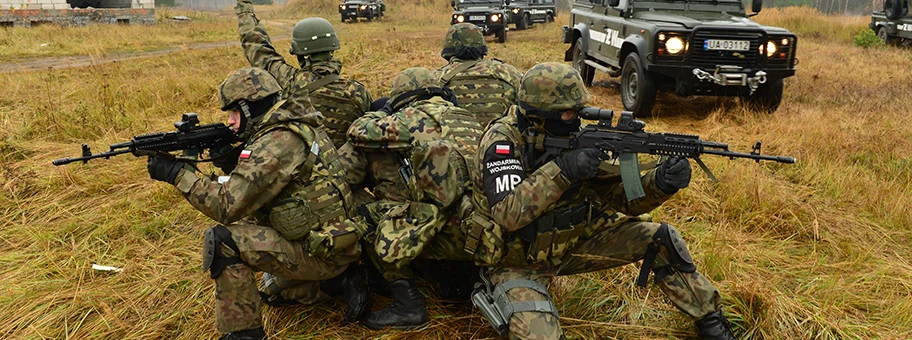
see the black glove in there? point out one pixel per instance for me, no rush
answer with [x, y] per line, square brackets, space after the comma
[225, 157]
[163, 168]
[580, 164]
[673, 174]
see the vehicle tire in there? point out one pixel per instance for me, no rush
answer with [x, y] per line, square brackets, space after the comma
[343, 18]
[884, 36]
[501, 35]
[521, 24]
[893, 9]
[370, 17]
[579, 56]
[638, 90]
[549, 17]
[767, 97]
[528, 20]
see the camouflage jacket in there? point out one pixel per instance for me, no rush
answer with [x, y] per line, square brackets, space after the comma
[487, 88]
[513, 195]
[341, 101]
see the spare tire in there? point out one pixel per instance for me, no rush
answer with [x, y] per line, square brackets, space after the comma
[893, 9]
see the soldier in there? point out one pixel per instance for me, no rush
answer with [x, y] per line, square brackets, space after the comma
[281, 210]
[313, 42]
[415, 156]
[484, 87]
[538, 218]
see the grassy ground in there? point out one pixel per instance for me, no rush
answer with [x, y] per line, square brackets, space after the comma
[815, 250]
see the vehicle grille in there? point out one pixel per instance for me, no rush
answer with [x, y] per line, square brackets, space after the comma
[702, 58]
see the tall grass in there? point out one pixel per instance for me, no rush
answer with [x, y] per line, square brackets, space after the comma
[815, 250]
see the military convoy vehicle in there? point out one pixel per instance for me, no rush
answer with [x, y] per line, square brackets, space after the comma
[523, 13]
[689, 47]
[488, 15]
[368, 9]
[893, 24]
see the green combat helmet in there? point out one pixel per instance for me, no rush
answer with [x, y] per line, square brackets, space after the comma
[246, 89]
[464, 41]
[409, 84]
[553, 87]
[314, 38]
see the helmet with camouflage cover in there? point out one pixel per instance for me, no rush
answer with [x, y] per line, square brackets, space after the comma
[311, 36]
[251, 90]
[553, 87]
[407, 85]
[464, 41]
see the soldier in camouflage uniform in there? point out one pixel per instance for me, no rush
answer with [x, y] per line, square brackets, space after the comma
[313, 42]
[484, 87]
[536, 218]
[416, 157]
[284, 209]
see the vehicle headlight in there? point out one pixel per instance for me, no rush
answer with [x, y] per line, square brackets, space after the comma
[363, 7]
[341, 6]
[770, 49]
[674, 45]
[460, 18]
[495, 17]
[516, 11]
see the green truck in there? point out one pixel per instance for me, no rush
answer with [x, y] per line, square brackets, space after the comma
[893, 24]
[488, 15]
[524, 13]
[367, 9]
[688, 47]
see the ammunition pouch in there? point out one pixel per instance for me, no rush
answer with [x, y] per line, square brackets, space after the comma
[293, 218]
[556, 232]
[484, 239]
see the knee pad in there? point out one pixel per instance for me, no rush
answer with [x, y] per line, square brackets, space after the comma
[213, 259]
[679, 258]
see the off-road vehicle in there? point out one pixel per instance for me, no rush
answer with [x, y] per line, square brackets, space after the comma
[690, 47]
[893, 24]
[488, 15]
[368, 9]
[523, 13]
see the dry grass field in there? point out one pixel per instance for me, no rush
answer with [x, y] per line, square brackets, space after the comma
[821, 249]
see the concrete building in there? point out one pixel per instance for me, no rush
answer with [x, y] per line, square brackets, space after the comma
[25, 13]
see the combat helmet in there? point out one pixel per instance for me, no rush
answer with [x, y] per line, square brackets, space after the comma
[314, 38]
[412, 84]
[464, 41]
[546, 91]
[251, 90]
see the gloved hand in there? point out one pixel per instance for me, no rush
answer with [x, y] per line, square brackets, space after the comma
[673, 174]
[225, 157]
[163, 168]
[580, 164]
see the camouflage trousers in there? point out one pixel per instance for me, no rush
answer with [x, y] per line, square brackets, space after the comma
[617, 245]
[237, 300]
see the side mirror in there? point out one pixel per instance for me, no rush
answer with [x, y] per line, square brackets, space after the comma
[453, 3]
[756, 5]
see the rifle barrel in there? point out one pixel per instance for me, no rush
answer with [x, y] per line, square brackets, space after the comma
[108, 154]
[758, 157]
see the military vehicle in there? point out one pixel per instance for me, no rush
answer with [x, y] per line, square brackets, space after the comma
[368, 9]
[523, 13]
[689, 47]
[893, 24]
[488, 15]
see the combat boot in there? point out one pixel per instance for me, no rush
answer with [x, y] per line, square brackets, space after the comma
[247, 334]
[350, 288]
[406, 312]
[714, 326]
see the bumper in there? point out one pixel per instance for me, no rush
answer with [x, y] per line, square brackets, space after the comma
[722, 81]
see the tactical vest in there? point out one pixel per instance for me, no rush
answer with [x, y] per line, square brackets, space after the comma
[480, 89]
[316, 199]
[331, 97]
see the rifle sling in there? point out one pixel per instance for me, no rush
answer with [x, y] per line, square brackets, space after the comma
[445, 79]
[310, 88]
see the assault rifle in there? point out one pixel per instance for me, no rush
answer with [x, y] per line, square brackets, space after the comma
[189, 135]
[627, 139]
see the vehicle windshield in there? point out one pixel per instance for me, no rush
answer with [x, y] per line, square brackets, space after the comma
[483, 2]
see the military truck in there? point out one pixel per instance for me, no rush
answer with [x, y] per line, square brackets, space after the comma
[488, 15]
[368, 9]
[523, 13]
[689, 47]
[893, 24]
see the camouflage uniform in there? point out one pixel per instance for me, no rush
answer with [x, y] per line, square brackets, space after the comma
[577, 226]
[341, 100]
[416, 157]
[283, 210]
[484, 87]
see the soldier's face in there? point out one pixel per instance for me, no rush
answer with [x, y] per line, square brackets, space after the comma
[568, 115]
[234, 120]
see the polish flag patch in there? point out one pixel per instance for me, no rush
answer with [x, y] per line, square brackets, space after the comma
[245, 154]
[502, 149]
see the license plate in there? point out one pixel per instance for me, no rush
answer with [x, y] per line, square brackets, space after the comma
[726, 45]
[476, 17]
